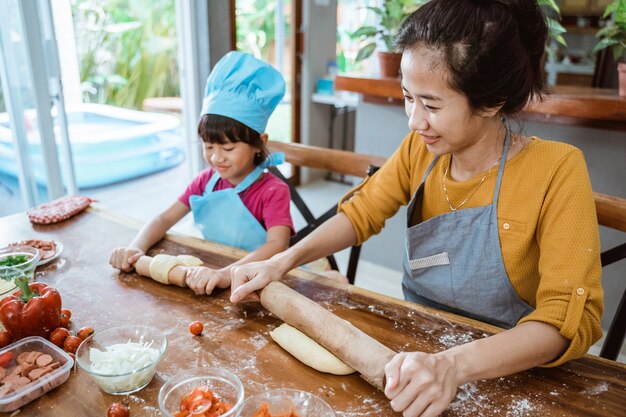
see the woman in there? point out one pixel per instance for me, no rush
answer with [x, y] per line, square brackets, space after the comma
[500, 227]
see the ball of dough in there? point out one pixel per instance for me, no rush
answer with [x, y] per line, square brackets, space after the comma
[308, 351]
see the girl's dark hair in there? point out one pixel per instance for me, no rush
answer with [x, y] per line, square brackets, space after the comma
[494, 49]
[214, 128]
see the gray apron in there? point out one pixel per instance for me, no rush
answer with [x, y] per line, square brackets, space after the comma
[453, 261]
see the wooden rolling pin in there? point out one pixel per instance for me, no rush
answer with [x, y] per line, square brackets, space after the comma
[176, 275]
[363, 353]
[340, 337]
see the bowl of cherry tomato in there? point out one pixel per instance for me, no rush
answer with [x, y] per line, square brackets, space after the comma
[201, 392]
[285, 402]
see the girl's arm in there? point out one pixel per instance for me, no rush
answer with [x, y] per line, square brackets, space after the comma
[153, 231]
[422, 384]
[157, 227]
[332, 236]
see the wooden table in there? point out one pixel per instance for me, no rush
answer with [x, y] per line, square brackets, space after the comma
[236, 338]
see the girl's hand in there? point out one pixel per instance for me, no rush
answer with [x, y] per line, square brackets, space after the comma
[124, 259]
[421, 384]
[246, 279]
[203, 280]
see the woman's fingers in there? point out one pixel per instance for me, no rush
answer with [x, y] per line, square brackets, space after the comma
[419, 384]
[244, 282]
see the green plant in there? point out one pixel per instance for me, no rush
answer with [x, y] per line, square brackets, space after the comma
[613, 35]
[390, 16]
[256, 26]
[127, 50]
[393, 12]
[555, 29]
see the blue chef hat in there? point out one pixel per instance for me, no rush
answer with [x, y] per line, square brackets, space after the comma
[243, 88]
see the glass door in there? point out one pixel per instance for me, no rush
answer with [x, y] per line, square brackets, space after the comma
[30, 154]
[264, 29]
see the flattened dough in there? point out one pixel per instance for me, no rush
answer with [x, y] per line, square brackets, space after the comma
[308, 351]
[189, 260]
[162, 264]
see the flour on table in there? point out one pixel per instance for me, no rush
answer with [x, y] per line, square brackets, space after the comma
[597, 390]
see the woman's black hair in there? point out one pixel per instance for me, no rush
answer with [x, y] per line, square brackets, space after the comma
[494, 49]
[214, 128]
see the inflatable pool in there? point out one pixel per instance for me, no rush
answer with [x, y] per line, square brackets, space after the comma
[109, 144]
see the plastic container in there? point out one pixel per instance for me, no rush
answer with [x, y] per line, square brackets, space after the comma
[37, 388]
[284, 401]
[131, 380]
[226, 385]
[27, 267]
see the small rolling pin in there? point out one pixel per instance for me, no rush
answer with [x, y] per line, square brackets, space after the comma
[176, 275]
[340, 337]
[360, 351]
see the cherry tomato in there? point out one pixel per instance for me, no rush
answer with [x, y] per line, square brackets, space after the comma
[85, 332]
[59, 335]
[118, 410]
[71, 344]
[65, 317]
[196, 328]
[6, 358]
[5, 339]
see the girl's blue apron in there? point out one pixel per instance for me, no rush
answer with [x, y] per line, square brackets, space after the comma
[453, 261]
[222, 217]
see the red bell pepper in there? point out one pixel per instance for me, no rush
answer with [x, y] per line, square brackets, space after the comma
[35, 310]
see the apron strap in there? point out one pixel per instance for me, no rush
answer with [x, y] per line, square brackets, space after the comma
[430, 168]
[211, 184]
[275, 158]
[505, 152]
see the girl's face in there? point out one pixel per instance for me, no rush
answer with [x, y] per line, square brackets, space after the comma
[232, 160]
[441, 115]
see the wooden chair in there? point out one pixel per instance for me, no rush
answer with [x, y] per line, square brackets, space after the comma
[336, 161]
[612, 213]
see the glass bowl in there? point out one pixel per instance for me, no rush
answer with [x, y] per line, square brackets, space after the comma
[7, 280]
[284, 401]
[27, 267]
[123, 359]
[222, 383]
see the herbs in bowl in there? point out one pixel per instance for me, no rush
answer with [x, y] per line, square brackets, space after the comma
[25, 258]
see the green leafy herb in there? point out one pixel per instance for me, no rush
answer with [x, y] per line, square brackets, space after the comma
[14, 260]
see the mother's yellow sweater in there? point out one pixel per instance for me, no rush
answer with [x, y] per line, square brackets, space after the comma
[546, 221]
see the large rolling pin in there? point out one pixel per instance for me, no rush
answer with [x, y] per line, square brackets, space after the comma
[340, 337]
[176, 275]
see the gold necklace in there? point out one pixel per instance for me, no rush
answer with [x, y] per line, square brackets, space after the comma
[445, 190]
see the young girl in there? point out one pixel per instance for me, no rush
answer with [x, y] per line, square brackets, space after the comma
[234, 202]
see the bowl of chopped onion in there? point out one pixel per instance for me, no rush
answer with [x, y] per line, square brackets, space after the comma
[123, 359]
[201, 392]
[285, 402]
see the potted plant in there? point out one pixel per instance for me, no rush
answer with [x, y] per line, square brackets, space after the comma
[613, 36]
[390, 15]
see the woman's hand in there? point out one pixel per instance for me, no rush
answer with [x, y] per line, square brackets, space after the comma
[421, 384]
[124, 259]
[246, 279]
[203, 280]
